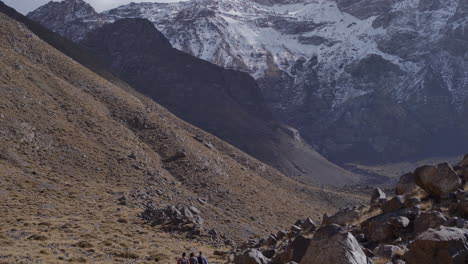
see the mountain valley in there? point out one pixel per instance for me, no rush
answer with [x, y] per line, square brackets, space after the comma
[86, 162]
[257, 132]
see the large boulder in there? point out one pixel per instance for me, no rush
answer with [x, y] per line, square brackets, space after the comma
[407, 185]
[342, 248]
[438, 180]
[295, 251]
[251, 256]
[426, 220]
[444, 245]
[385, 227]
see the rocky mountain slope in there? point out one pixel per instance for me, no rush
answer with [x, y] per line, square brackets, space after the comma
[226, 103]
[362, 80]
[87, 166]
[426, 222]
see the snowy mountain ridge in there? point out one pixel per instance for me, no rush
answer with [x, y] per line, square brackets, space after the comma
[248, 36]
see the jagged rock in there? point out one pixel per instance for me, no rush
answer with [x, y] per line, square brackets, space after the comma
[377, 195]
[294, 251]
[393, 204]
[385, 227]
[443, 245]
[342, 248]
[343, 217]
[173, 218]
[426, 220]
[327, 231]
[407, 185]
[251, 256]
[437, 180]
[388, 251]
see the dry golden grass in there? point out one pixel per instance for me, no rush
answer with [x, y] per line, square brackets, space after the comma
[55, 228]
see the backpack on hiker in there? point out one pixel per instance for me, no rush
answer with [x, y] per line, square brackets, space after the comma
[183, 261]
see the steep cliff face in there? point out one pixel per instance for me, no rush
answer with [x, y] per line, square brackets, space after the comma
[318, 61]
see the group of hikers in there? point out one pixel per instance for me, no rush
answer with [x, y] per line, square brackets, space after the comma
[192, 260]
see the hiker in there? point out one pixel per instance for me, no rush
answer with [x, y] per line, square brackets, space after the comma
[202, 259]
[193, 259]
[183, 259]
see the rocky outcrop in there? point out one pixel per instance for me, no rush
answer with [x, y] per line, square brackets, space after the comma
[377, 196]
[426, 220]
[71, 19]
[407, 185]
[386, 227]
[437, 180]
[171, 218]
[342, 248]
[251, 256]
[442, 245]
[418, 227]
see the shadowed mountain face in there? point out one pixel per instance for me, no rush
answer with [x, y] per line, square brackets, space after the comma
[335, 69]
[83, 154]
[226, 103]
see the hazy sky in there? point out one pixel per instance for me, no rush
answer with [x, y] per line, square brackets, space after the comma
[25, 6]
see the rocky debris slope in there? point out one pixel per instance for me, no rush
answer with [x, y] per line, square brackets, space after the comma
[81, 157]
[427, 223]
[361, 80]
